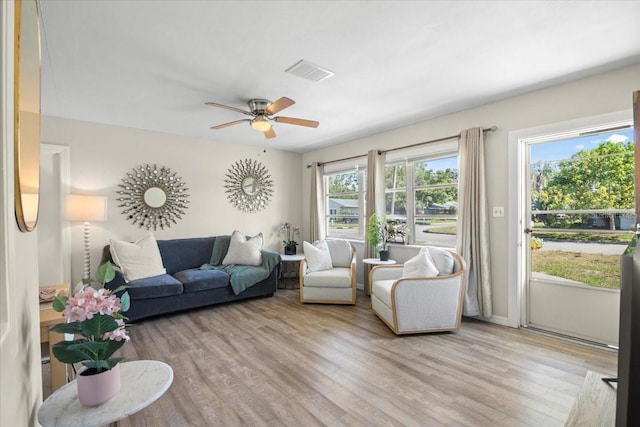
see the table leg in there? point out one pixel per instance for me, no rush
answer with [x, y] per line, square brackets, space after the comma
[58, 369]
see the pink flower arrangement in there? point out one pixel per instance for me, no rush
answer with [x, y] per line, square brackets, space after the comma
[94, 317]
[89, 302]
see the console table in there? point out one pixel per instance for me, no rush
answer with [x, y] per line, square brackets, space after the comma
[143, 382]
[48, 318]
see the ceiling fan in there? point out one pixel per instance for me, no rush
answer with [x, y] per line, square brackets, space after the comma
[262, 111]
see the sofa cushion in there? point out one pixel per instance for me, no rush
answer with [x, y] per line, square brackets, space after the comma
[201, 280]
[335, 278]
[139, 259]
[163, 285]
[421, 265]
[442, 258]
[382, 290]
[243, 251]
[341, 252]
[183, 254]
[317, 255]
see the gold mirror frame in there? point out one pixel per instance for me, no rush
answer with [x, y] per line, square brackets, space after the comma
[27, 113]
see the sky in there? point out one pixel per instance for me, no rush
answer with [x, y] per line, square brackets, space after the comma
[552, 150]
[560, 150]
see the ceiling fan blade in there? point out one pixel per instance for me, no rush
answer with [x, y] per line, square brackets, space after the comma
[279, 105]
[299, 122]
[270, 133]
[224, 125]
[227, 107]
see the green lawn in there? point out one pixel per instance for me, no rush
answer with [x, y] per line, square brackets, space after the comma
[592, 269]
[584, 236]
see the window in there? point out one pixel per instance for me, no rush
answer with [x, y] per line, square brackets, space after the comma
[345, 204]
[424, 194]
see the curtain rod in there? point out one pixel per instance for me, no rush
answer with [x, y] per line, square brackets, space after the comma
[490, 129]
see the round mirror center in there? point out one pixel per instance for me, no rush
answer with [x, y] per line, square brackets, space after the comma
[249, 185]
[155, 197]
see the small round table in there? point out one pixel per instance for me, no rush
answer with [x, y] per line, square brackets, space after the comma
[378, 261]
[143, 382]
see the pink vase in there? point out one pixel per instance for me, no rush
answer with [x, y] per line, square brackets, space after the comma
[94, 390]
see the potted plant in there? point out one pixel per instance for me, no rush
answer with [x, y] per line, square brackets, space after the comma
[94, 317]
[394, 230]
[377, 235]
[289, 232]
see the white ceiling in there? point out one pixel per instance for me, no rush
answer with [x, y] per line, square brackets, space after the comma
[153, 64]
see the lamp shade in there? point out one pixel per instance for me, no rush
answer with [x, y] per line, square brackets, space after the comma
[261, 124]
[86, 208]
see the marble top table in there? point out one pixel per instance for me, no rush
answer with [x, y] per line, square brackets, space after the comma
[143, 382]
[378, 261]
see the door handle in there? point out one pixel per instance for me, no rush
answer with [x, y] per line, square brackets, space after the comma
[528, 231]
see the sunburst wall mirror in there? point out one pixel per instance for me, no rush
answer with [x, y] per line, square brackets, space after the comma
[248, 186]
[153, 197]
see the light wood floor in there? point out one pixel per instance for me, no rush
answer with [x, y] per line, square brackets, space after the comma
[276, 362]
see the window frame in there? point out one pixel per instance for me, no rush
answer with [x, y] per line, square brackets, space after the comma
[410, 167]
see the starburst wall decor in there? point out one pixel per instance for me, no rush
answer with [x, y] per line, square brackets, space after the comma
[153, 197]
[248, 186]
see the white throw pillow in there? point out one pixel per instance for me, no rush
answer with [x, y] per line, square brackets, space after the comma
[442, 258]
[340, 251]
[139, 259]
[317, 255]
[244, 252]
[420, 265]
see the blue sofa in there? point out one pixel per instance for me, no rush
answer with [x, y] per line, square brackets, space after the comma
[195, 278]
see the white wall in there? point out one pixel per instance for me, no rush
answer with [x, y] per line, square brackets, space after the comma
[101, 155]
[604, 93]
[20, 371]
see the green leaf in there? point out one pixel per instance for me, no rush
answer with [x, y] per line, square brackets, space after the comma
[67, 328]
[98, 325]
[118, 289]
[60, 303]
[125, 302]
[106, 273]
[65, 354]
[112, 347]
[107, 364]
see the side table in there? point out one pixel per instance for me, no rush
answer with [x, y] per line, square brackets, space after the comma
[143, 382]
[373, 262]
[287, 260]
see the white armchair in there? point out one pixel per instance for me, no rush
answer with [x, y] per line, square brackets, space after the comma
[411, 305]
[335, 282]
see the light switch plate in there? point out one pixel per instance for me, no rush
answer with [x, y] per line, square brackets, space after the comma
[498, 211]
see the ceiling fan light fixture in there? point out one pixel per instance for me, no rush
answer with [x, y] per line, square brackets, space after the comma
[261, 123]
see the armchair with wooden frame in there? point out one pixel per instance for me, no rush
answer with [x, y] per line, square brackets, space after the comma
[336, 285]
[409, 305]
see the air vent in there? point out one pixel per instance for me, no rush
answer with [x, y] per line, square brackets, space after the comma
[309, 71]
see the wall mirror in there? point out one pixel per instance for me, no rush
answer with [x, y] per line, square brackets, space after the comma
[248, 186]
[27, 113]
[153, 197]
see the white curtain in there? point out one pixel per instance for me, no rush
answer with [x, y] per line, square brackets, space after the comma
[317, 221]
[473, 224]
[375, 202]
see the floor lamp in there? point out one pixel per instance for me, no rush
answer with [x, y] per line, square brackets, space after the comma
[86, 208]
